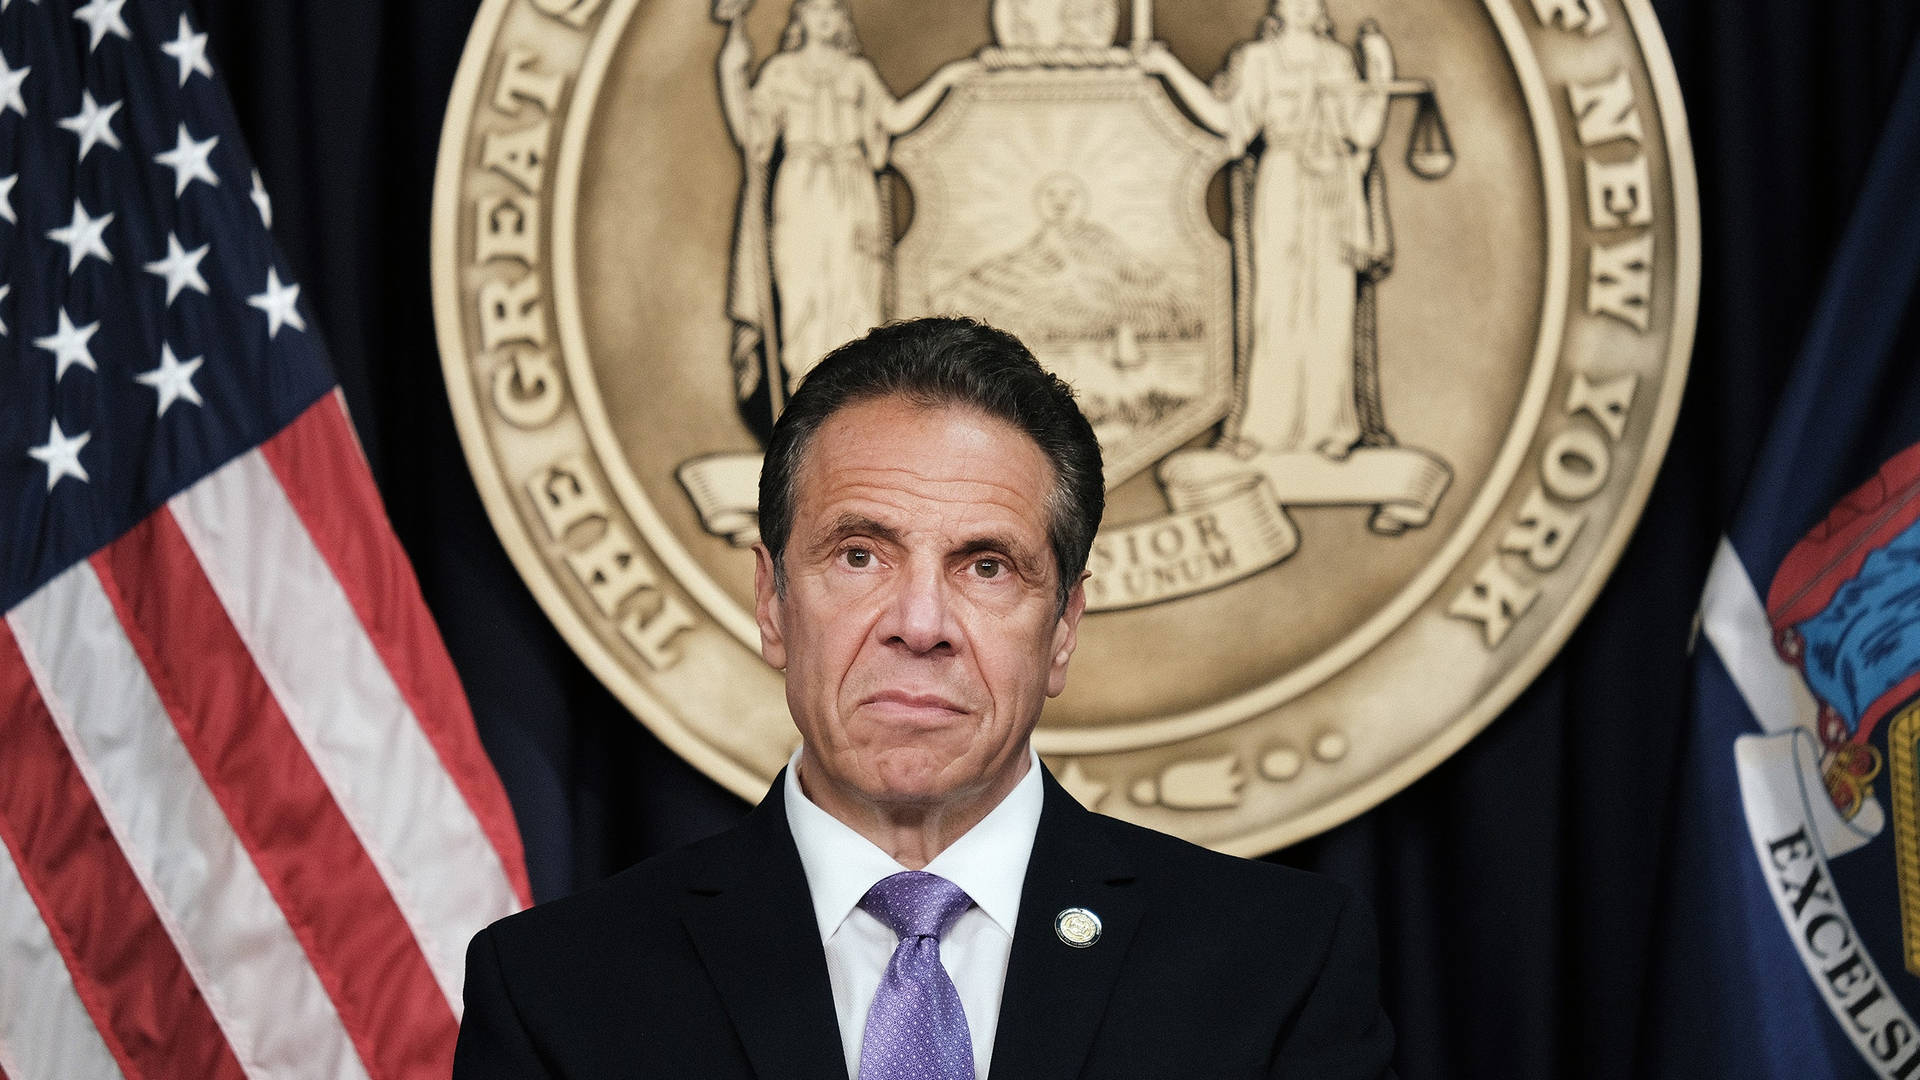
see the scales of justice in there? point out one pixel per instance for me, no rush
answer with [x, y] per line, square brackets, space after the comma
[1059, 186]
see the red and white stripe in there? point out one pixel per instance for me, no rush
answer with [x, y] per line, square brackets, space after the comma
[247, 827]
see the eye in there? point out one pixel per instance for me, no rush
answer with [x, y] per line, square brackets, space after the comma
[988, 568]
[858, 558]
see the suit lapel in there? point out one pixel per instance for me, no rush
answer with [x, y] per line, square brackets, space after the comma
[751, 919]
[1056, 994]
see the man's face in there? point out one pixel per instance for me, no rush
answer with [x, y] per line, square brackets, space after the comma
[920, 630]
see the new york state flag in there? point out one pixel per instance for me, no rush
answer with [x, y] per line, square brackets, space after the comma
[1794, 934]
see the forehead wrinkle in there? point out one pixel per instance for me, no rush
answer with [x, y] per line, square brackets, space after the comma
[990, 440]
[878, 482]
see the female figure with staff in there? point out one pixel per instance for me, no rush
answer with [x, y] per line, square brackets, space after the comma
[813, 240]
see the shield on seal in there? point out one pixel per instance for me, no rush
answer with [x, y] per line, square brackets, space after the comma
[1065, 199]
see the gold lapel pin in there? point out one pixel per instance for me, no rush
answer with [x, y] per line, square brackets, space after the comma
[1077, 927]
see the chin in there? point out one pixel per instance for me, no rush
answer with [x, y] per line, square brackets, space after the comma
[913, 776]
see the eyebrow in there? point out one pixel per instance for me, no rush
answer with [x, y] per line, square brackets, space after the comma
[852, 524]
[1023, 561]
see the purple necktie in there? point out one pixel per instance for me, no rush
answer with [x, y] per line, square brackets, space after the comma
[916, 1029]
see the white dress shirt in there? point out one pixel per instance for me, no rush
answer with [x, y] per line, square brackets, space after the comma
[989, 862]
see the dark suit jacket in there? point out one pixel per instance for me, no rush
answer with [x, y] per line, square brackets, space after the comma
[707, 962]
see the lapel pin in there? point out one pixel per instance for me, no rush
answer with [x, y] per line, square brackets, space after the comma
[1077, 927]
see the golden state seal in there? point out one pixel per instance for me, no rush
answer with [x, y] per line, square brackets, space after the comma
[1380, 309]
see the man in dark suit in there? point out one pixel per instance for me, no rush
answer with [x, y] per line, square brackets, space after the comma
[916, 897]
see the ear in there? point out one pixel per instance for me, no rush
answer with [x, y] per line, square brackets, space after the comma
[766, 609]
[1066, 636]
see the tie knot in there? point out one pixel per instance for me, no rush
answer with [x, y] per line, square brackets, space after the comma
[914, 903]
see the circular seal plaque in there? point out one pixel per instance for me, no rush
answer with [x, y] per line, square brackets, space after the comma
[1380, 308]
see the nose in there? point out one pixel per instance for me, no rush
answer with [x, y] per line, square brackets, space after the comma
[917, 614]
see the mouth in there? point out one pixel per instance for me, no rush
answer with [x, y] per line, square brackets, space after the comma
[907, 708]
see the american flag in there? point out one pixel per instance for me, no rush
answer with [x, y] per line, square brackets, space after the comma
[246, 827]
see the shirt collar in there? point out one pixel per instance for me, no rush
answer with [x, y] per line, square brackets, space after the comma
[989, 862]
